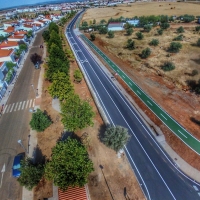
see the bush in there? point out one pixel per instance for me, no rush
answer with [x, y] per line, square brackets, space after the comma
[92, 36]
[139, 35]
[160, 31]
[168, 66]
[129, 31]
[78, 76]
[197, 28]
[194, 72]
[146, 53]
[130, 44]
[175, 47]
[188, 18]
[198, 42]
[115, 137]
[178, 38]
[180, 30]
[154, 42]
[103, 30]
[165, 25]
[147, 28]
[40, 121]
[111, 34]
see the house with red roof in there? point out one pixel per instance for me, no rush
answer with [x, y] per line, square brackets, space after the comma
[27, 27]
[9, 30]
[9, 45]
[20, 32]
[16, 38]
[7, 55]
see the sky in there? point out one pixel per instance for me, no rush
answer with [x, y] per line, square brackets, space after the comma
[15, 3]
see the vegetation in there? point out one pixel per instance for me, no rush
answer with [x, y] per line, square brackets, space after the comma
[29, 34]
[147, 28]
[139, 35]
[9, 75]
[92, 36]
[180, 30]
[10, 65]
[69, 165]
[35, 58]
[111, 34]
[175, 47]
[31, 174]
[146, 53]
[130, 44]
[103, 30]
[197, 28]
[198, 42]
[154, 42]
[164, 25]
[40, 121]
[178, 38]
[46, 35]
[194, 72]
[115, 137]
[168, 66]
[187, 18]
[129, 31]
[160, 31]
[103, 21]
[78, 76]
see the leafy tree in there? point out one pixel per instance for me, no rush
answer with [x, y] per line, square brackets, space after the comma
[35, 58]
[76, 113]
[180, 30]
[198, 42]
[29, 34]
[160, 31]
[61, 86]
[194, 72]
[92, 36]
[56, 52]
[115, 137]
[178, 38]
[78, 75]
[103, 21]
[197, 28]
[53, 27]
[139, 35]
[103, 30]
[147, 28]
[187, 18]
[22, 47]
[40, 121]
[175, 47]
[127, 25]
[129, 31]
[154, 42]
[31, 174]
[94, 21]
[10, 65]
[46, 35]
[164, 25]
[69, 165]
[84, 23]
[146, 53]
[54, 39]
[130, 44]
[111, 34]
[168, 66]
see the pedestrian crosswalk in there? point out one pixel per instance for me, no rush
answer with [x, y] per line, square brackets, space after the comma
[22, 105]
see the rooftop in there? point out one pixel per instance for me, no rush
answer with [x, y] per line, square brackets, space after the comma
[5, 52]
[8, 44]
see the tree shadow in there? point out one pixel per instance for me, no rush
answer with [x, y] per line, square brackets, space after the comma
[194, 86]
[37, 156]
[101, 131]
[68, 134]
[195, 120]
[196, 60]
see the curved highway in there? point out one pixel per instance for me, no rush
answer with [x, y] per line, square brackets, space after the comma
[158, 176]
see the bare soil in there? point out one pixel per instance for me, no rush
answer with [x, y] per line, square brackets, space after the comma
[180, 104]
[117, 171]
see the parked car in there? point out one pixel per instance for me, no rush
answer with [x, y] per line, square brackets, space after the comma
[17, 164]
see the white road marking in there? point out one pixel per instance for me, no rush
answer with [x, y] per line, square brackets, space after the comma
[23, 105]
[7, 110]
[16, 106]
[2, 171]
[27, 104]
[4, 109]
[19, 105]
[182, 134]
[33, 103]
[12, 107]
[130, 83]
[199, 193]
[138, 92]
[149, 102]
[123, 76]
[195, 187]
[30, 103]
[163, 116]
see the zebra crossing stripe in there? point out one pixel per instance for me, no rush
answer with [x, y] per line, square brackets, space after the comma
[19, 105]
[33, 103]
[30, 103]
[16, 106]
[4, 109]
[27, 103]
[12, 107]
[23, 105]
[7, 110]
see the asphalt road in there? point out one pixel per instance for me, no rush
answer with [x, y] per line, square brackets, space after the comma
[157, 174]
[14, 123]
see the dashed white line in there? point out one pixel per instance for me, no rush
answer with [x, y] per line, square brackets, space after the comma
[195, 187]
[138, 92]
[182, 134]
[149, 102]
[163, 116]
[130, 83]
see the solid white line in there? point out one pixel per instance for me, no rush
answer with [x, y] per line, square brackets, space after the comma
[16, 106]
[12, 107]
[149, 102]
[27, 103]
[30, 103]
[182, 134]
[163, 116]
[5, 109]
[23, 105]
[195, 187]
[19, 105]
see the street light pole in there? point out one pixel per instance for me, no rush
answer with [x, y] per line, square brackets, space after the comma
[20, 142]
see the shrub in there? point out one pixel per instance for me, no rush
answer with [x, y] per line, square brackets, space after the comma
[139, 35]
[147, 28]
[154, 42]
[78, 76]
[111, 34]
[188, 18]
[180, 30]
[103, 30]
[146, 53]
[198, 42]
[92, 36]
[197, 28]
[194, 72]
[160, 31]
[168, 66]
[178, 38]
[165, 25]
[130, 44]
[129, 31]
[175, 47]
